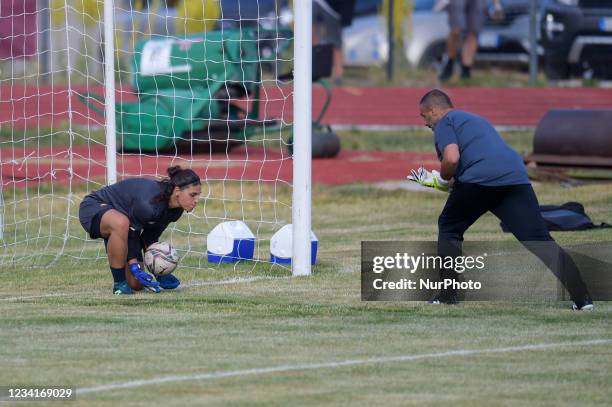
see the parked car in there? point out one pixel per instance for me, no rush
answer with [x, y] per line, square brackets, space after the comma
[365, 42]
[500, 41]
[243, 13]
[576, 37]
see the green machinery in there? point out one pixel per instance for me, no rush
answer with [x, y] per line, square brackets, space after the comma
[201, 91]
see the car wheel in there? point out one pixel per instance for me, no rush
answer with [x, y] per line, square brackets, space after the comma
[555, 68]
[432, 57]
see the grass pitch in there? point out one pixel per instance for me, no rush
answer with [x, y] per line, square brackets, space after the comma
[61, 325]
[251, 334]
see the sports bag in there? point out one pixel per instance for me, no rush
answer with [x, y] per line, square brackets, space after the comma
[568, 216]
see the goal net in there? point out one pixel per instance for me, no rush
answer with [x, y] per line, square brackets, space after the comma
[197, 83]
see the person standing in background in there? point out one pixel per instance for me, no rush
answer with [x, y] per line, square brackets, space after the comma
[464, 17]
[328, 18]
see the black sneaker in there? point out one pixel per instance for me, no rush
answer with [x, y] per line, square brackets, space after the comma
[585, 305]
[466, 72]
[447, 69]
[444, 298]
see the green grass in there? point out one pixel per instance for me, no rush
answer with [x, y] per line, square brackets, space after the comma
[491, 75]
[417, 140]
[58, 135]
[85, 337]
[483, 74]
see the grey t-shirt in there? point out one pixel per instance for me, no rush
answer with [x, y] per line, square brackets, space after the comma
[485, 158]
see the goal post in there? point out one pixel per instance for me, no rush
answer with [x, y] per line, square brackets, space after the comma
[96, 91]
[109, 93]
[302, 151]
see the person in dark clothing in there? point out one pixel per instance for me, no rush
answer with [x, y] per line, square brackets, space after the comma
[329, 17]
[131, 215]
[485, 174]
[346, 10]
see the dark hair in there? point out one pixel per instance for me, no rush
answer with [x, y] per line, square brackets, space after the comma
[436, 97]
[177, 177]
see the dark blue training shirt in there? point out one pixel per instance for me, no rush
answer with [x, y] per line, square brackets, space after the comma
[485, 158]
[136, 199]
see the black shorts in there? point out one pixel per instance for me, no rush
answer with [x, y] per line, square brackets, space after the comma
[90, 215]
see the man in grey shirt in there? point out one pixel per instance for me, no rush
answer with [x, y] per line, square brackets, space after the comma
[486, 174]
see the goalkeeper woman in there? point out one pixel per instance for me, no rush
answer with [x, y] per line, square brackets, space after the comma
[132, 214]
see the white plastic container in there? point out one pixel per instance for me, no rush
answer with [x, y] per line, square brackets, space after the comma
[230, 242]
[281, 246]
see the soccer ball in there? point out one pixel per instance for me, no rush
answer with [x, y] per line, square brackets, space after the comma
[161, 259]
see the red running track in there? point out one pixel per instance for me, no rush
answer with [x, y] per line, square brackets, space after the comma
[30, 168]
[46, 106]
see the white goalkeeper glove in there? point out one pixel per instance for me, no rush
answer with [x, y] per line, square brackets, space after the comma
[428, 179]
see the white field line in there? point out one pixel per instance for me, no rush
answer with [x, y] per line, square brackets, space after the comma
[49, 295]
[331, 365]
[236, 280]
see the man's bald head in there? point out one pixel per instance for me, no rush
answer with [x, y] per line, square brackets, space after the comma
[434, 105]
[436, 99]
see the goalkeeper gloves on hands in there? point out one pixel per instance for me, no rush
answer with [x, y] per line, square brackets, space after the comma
[144, 278]
[428, 179]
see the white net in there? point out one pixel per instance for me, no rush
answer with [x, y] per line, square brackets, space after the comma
[197, 85]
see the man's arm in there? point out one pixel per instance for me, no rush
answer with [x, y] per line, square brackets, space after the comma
[450, 161]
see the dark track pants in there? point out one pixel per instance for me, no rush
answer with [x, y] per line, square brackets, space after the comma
[518, 208]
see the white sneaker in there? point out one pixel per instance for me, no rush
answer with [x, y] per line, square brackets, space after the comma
[587, 305]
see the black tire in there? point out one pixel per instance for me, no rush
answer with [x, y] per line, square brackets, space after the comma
[555, 68]
[432, 57]
[325, 144]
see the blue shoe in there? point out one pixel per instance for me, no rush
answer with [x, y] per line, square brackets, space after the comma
[144, 278]
[122, 288]
[168, 282]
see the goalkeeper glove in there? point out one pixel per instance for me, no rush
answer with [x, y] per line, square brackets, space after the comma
[428, 179]
[144, 278]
